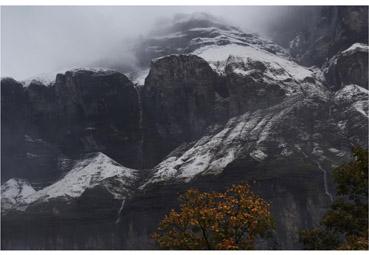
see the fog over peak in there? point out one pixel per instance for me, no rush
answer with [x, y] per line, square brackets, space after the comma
[41, 39]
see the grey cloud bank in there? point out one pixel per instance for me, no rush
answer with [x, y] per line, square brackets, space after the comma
[37, 40]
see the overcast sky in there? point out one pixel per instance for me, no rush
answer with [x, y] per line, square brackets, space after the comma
[37, 40]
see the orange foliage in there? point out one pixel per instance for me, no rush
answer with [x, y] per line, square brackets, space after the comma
[229, 220]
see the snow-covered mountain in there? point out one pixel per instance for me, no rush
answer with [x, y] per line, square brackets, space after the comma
[94, 170]
[253, 133]
[215, 106]
[98, 169]
[186, 34]
[199, 34]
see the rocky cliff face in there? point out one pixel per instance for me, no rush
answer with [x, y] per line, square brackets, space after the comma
[13, 108]
[234, 108]
[99, 111]
[179, 98]
[348, 67]
[83, 111]
[333, 29]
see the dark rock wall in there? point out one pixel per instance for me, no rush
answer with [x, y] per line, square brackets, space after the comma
[179, 103]
[347, 68]
[334, 28]
[98, 112]
[84, 111]
[13, 112]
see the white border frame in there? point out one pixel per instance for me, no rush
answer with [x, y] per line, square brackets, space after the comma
[179, 3]
[183, 2]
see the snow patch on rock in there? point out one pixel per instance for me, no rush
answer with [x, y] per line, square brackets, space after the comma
[258, 155]
[280, 67]
[350, 93]
[361, 107]
[15, 191]
[213, 152]
[88, 173]
[356, 47]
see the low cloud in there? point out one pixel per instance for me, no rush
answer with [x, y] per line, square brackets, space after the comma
[37, 40]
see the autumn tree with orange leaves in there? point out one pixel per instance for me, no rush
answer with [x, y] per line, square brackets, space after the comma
[229, 220]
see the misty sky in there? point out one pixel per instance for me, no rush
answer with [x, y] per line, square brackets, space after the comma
[36, 40]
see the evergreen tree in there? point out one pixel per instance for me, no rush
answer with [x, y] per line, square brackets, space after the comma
[345, 225]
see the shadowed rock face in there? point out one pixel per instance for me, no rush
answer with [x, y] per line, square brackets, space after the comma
[13, 112]
[348, 67]
[334, 29]
[249, 92]
[84, 111]
[179, 103]
[97, 111]
[24, 154]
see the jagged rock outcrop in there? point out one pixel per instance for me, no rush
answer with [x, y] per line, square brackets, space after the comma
[348, 67]
[249, 92]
